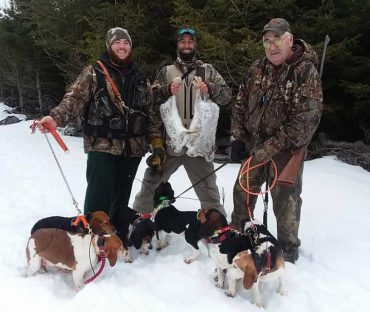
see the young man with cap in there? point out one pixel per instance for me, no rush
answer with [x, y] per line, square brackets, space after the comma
[117, 127]
[278, 110]
[213, 85]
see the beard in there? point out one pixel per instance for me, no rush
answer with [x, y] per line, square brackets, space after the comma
[186, 57]
[118, 61]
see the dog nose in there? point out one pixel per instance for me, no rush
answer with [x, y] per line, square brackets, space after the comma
[150, 246]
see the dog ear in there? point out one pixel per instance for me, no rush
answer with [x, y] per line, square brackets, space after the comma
[88, 216]
[112, 256]
[246, 263]
[170, 193]
[250, 277]
[153, 226]
[136, 239]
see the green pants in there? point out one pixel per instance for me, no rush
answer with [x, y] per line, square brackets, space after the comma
[109, 183]
[287, 201]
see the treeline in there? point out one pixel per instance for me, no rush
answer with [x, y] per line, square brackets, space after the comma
[44, 44]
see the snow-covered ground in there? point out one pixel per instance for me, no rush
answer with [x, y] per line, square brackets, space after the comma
[331, 274]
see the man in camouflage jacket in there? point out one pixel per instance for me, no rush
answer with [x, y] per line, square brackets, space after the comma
[114, 141]
[186, 66]
[278, 110]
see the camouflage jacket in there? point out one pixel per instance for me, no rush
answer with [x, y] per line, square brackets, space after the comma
[84, 94]
[279, 109]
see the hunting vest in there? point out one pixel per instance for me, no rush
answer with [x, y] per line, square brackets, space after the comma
[103, 119]
[185, 98]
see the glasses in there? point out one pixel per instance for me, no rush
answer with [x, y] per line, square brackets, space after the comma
[187, 31]
[277, 41]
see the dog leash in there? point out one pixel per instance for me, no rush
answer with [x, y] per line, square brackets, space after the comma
[201, 180]
[102, 256]
[245, 171]
[66, 150]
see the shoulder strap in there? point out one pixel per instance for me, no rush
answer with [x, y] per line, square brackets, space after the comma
[190, 69]
[114, 88]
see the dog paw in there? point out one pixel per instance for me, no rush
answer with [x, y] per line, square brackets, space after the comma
[259, 304]
[188, 260]
[78, 287]
[127, 259]
[219, 284]
[282, 292]
[144, 252]
[161, 246]
[229, 293]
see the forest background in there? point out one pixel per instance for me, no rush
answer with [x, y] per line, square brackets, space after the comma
[44, 44]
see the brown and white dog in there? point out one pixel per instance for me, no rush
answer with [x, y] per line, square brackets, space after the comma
[98, 221]
[75, 252]
[251, 256]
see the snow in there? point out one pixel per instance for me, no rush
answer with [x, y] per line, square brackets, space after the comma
[330, 275]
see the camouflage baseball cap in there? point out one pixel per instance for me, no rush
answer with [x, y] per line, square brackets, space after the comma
[277, 25]
[117, 33]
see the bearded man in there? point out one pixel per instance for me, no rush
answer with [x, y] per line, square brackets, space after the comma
[118, 125]
[187, 66]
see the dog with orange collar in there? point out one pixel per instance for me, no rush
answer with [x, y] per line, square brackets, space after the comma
[98, 222]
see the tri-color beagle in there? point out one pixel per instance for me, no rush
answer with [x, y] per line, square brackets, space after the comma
[75, 252]
[168, 219]
[251, 256]
[141, 230]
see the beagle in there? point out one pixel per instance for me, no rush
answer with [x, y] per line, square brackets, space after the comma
[168, 219]
[141, 230]
[251, 256]
[75, 252]
[98, 221]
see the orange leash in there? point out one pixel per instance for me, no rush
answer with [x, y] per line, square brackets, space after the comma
[245, 171]
[54, 133]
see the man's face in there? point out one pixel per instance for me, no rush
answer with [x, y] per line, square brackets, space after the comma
[277, 48]
[186, 45]
[121, 49]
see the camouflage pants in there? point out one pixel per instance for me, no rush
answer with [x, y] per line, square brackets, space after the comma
[287, 201]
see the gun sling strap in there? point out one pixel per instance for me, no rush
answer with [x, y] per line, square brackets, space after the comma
[115, 90]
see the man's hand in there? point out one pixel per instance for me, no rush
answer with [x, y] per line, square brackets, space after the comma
[159, 156]
[203, 88]
[174, 88]
[46, 123]
[175, 85]
[201, 85]
[260, 155]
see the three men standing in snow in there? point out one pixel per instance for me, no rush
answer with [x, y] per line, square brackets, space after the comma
[278, 109]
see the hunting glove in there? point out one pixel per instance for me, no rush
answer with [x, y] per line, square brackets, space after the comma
[158, 158]
[260, 155]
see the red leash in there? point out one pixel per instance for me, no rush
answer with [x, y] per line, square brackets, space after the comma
[102, 256]
[54, 133]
